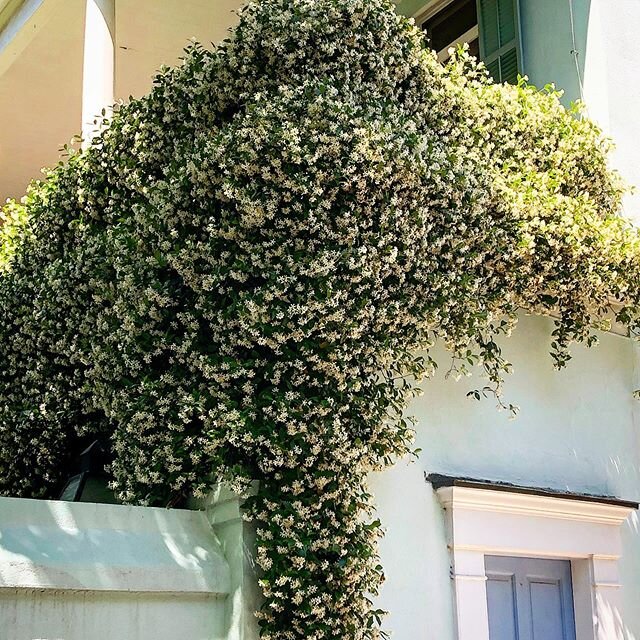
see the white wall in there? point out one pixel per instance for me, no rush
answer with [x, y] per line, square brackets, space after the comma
[576, 431]
[40, 93]
[150, 33]
[59, 615]
[612, 91]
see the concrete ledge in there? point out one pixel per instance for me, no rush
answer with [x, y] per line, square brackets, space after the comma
[95, 547]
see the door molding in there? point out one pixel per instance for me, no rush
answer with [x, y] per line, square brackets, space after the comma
[488, 522]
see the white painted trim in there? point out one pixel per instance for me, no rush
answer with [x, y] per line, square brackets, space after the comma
[533, 505]
[429, 10]
[459, 576]
[17, 21]
[433, 8]
[484, 522]
[7, 9]
[469, 36]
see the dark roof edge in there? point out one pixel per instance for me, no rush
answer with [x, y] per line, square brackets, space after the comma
[438, 481]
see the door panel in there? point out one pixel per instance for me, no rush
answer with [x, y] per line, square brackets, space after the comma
[529, 599]
[546, 610]
[501, 597]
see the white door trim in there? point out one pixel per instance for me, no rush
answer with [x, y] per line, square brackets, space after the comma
[486, 522]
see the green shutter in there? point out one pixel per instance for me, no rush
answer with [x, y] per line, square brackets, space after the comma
[499, 38]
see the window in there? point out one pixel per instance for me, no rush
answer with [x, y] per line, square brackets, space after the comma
[500, 44]
[456, 24]
[490, 27]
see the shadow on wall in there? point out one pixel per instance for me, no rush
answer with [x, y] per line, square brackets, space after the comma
[577, 431]
[92, 547]
[610, 623]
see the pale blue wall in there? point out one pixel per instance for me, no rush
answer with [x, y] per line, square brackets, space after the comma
[547, 43]
[577, 431]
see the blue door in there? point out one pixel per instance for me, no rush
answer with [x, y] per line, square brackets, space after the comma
[529, 599]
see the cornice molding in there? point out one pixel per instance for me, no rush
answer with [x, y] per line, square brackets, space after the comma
[504, 502]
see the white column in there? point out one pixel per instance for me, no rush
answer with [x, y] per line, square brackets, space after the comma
[596, 85]
[584, 599]
[98, 78]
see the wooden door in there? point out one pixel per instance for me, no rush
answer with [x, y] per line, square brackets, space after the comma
[529, 599]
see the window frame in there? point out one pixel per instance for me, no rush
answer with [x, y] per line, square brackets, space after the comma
[433, 7]
[484, 522]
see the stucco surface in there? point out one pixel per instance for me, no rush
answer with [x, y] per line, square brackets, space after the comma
[72, 571]
[612, 92]
[62, 615]
[576, 431]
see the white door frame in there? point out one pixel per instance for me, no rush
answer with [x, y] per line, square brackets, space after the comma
[495, 522]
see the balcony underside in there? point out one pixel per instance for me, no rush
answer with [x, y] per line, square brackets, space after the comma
[41, 68]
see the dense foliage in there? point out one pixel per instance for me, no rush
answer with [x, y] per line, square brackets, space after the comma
[234, 281]
[13, 224]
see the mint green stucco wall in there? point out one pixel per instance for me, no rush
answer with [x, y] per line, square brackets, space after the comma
[577, 431]
[547, 43]
[74, 571]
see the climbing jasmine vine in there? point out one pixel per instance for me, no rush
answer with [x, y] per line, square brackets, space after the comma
[242, 278]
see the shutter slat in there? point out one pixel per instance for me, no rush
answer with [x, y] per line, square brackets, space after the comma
[489, 26]
[498, 21]
[494, 69]
[509, 66]
[506, 21]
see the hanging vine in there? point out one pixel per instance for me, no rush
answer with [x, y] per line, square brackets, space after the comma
[235, 281]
